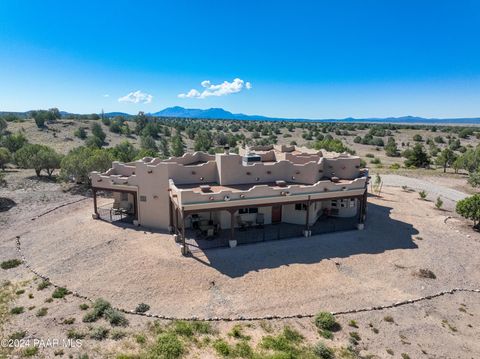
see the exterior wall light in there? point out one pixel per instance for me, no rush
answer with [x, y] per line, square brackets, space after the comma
[211, 198]
[226, 198]
[257, 178]
[202, 178]
[242, 196]
[293, 177]
[155, 197]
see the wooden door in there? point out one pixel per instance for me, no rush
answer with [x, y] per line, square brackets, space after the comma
[276, 214]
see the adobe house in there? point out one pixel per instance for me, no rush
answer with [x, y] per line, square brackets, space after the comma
[228, 193]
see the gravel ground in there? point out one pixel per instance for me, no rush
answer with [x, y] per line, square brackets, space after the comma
[428, 184]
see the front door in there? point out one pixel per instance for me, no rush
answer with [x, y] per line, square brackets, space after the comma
[276, 214]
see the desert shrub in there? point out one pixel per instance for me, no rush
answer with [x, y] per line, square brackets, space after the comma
[43, 284]
[69, 321]
[115, 318]
[17, 335]
[80, 133]
[90, 317]
[370, 155]
[439, 203]
[322, 351]
[167, 346]
[11, 263]
[42, 312]
[353, 323]
[395, 166]
[99, 333]
[83, 306]
[470, 208]
[30, 351]
[73, 334]
[474, 179]
[422, 194]
[237, 332]
[388, 319]
[60, 292]
[376, 161]
[117, 334]
[325, 321]
[14, 142]
[17, 310]
[222, 347]
[5, 157]
[425, 273]
[142, 308]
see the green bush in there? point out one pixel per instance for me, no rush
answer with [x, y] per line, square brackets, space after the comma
[167, 346]
[322, 351]
[116, 318]
[469, 208]
[422, 194]
[11, 263]
[142, 308]
[42, 312]
[325, 321]
[99, 333]
[17, 310]
[60, 293]
[43, 284]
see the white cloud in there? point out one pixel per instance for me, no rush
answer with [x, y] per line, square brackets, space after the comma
[106, 95]
[136, 97]
[225, 88]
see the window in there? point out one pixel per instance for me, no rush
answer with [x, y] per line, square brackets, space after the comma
[143, 198]
[123, 196]
[352, 202]
[334, 203]
[248, 210]
[300, 207]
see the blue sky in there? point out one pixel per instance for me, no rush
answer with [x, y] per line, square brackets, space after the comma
[309, 59]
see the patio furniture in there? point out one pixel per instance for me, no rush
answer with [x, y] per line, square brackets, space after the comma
[241, 223]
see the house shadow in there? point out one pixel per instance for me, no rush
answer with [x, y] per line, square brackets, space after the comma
[382, 233]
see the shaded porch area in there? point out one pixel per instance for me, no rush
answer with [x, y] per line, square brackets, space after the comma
[117, 206]
[196, 240]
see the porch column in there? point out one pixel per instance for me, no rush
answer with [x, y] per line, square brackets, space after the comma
[183, 233]
[176, 220]
[95, 209]
[232, 225]
[360, 209]
[170, 212]
[307, 220]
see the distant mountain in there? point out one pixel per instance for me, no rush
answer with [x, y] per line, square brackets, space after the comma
[213, 113]
[220, 113]
[114, 114]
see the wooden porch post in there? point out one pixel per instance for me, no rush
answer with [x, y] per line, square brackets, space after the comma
[183, 229]
[170, 213]
[95, 209]
[307, 220]
[232, 225]
[360, 208]
[176, 221]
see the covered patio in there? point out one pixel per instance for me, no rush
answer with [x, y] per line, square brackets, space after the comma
[118, 206]
[210, 230]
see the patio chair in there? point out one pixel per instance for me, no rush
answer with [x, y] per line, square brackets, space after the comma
[241, 223]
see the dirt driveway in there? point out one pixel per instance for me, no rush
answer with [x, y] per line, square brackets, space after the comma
[333, 272]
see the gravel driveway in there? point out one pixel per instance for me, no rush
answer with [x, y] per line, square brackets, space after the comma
[449, 196]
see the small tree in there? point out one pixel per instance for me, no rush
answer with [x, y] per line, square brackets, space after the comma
[177, 146]
[446, 158]
[38, 157]
[422, 194]
[80, 133]
[5, 157]
[98, 132]
[3, 125]
[469, 208]
[391, 149]
[474, 179]
[438, 203]
[79, 162]
[417, 157]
